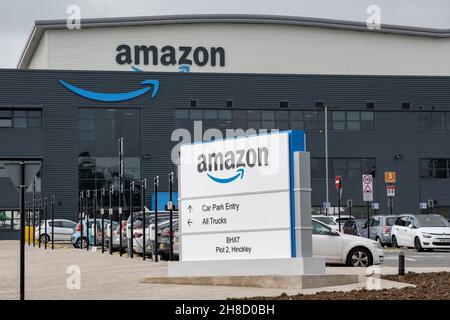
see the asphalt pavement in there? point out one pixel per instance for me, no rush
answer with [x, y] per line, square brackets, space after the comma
[414, 259]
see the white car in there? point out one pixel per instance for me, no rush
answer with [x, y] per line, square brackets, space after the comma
[63, 230]
[328, 220]
[138, 236]
[340, 248]
[424, 231]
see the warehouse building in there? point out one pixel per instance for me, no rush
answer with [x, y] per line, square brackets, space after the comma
[386, 91]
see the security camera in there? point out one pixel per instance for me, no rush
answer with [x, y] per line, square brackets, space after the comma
[398, 156]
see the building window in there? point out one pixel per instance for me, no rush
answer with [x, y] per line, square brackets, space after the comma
[434, 168]
[193, 103]
[20, 118]
[309, 120]
[98, 133]
[5, 118]
[434, 121]
[338, 120]
[352, 120]
[351, 168]
[229, 103]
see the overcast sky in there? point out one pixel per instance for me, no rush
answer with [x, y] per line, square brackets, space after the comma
[17, 16]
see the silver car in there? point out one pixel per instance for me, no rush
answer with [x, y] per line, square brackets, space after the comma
[380, 228]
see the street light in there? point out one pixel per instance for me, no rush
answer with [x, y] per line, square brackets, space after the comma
[319, 104]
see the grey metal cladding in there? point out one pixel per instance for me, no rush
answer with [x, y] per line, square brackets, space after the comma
[9, 195]
[396, 129]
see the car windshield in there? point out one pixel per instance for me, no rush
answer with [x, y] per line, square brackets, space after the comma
[390, 221]
[326, 220]
[432, 221]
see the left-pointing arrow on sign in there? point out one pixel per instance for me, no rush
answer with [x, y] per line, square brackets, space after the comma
[189, 222]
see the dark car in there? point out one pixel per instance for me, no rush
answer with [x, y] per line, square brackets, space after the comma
[350, 227]
[355, 227]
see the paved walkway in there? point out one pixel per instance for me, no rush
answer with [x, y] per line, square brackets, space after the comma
[113, 277]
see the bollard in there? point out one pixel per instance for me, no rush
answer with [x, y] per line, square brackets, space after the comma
[120, 217]
[39, 221]
[401, 266]
[86, 213]
[52, 212]
[102, 213]
[143, 187]
[81, 219]
[45, 221]
[111, 191]
[29, 222]
[94, 204]
[34, 211]
[156, 244]
[130, 240]
[170, 207]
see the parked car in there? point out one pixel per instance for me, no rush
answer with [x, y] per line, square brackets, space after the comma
[424, 231]
[343, 219]
[380, 228]
[138, 243]
[116, 236]
[62, 230]
[76, 235]
[164, 241]
[339, 248]
[350, 227]
[328, 220]
[137, 227]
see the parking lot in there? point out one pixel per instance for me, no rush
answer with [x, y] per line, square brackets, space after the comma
[414, 259]
[104, 276]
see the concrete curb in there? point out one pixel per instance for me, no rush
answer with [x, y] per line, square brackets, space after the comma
[285, 282]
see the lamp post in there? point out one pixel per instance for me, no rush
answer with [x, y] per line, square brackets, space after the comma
[325, 108]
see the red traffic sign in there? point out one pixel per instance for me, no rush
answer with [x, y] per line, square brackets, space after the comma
[338, 182]
[390, 190]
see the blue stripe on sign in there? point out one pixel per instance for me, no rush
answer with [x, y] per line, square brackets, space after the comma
[296, 143]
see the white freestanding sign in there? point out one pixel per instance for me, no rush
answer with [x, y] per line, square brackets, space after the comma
[235, 199]
[245, 208]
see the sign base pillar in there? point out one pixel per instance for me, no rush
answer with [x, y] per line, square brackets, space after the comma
[248, 267]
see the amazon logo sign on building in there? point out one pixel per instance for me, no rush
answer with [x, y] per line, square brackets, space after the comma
[170, 55]
[149, 85]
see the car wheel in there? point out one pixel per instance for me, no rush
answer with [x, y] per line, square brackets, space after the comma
[44, 238]
[359, 257]
[377, 239]
[82, 245]
[418, 245]
[394, 242]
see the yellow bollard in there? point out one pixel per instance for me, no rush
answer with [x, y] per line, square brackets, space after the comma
[29, 230]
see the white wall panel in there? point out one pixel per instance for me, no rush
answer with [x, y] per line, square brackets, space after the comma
[257, 48]
[40, 57]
